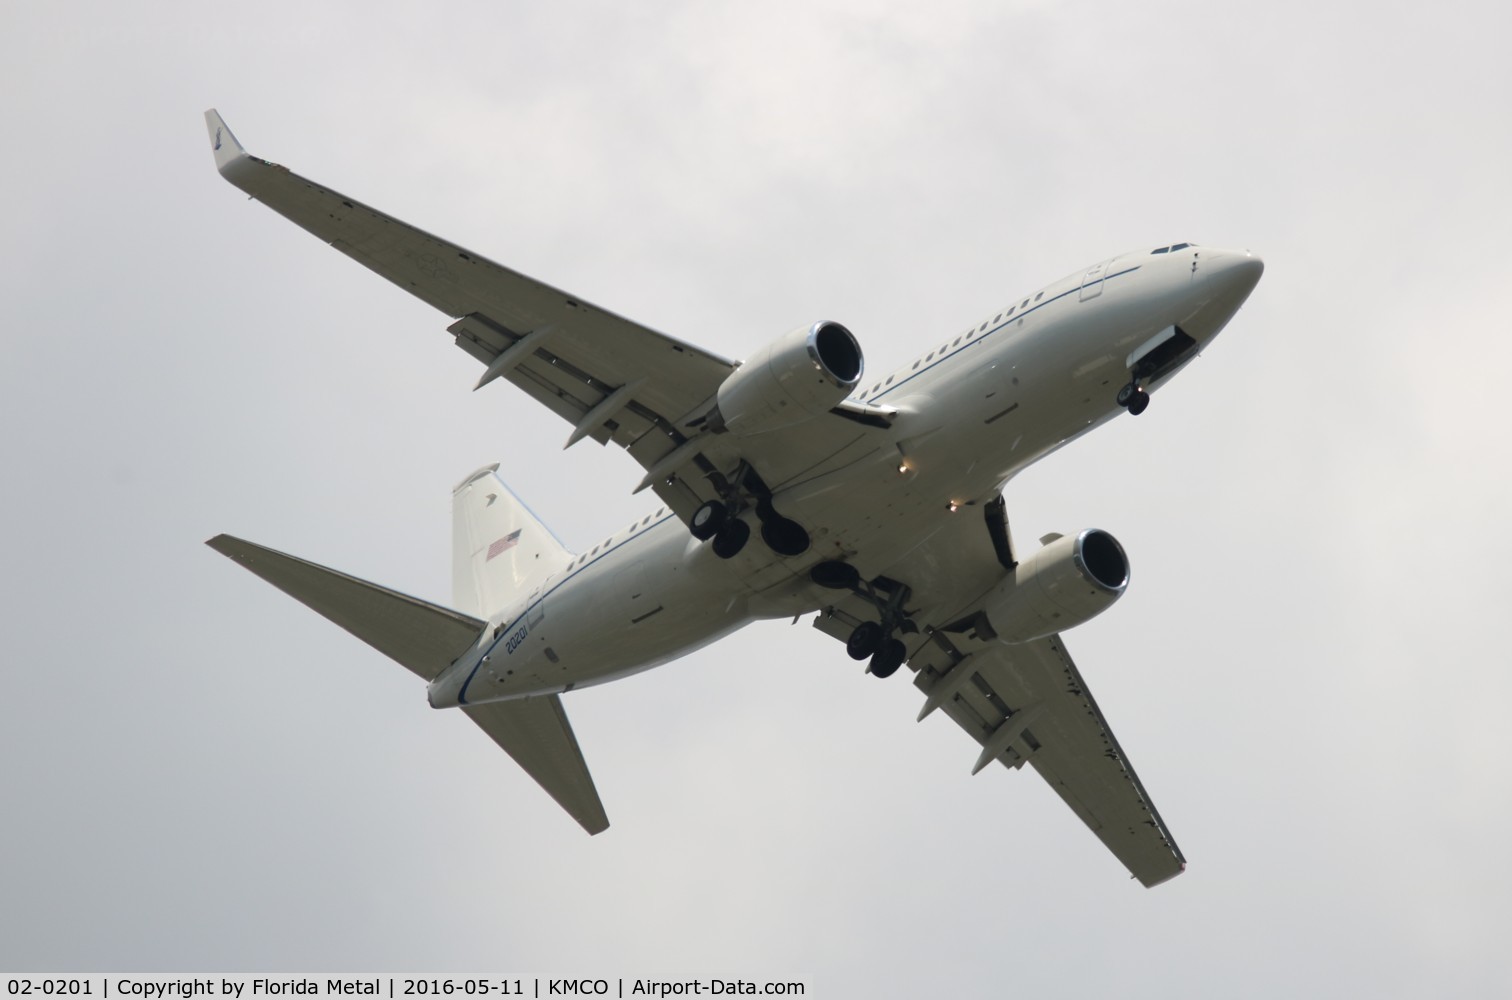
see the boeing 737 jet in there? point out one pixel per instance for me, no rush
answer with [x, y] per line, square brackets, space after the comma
[789, 486]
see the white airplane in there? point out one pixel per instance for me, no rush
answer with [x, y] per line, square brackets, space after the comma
[878, 507]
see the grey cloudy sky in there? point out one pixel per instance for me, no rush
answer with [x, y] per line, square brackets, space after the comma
[1310, 670]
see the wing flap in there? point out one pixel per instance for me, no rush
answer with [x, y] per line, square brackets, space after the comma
[536, 733]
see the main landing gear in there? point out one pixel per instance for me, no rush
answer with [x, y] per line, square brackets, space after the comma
[714, 519]
[871, 640]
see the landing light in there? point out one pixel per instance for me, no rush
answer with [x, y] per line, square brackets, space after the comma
[954, 506]
[903, 468]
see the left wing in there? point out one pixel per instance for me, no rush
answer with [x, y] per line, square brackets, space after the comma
[608, 377]
[1022, 702]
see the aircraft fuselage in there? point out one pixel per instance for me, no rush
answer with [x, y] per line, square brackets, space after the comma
[970, 415]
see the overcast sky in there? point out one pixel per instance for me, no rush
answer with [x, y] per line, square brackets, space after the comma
[1310, 670]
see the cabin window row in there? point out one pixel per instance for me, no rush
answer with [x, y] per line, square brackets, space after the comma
[968, 335]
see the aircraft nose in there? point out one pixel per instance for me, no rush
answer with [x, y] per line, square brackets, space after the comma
[1236, 271]
[1225, 280]
[1248, 269]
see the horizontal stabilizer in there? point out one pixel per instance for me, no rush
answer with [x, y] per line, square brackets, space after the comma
[536, 733]
[423, 637]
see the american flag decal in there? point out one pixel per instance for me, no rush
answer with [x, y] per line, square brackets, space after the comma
[507, 542]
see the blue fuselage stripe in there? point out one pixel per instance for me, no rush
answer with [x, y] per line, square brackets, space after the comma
[1001, 326]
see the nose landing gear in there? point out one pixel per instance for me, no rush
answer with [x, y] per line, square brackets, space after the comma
[1131, 397]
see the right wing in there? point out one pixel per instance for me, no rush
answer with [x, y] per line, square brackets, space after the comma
[1025, 702]
[610, 378]
[1053, 723]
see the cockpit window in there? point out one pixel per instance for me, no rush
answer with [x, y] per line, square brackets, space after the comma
[1161, 250]
[1179, 246]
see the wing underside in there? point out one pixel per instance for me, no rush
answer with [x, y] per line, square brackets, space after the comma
[1030, 703]
[1022, 703]
[608, 377]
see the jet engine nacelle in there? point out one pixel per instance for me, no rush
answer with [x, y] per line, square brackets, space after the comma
[1065, 583]
[794, 378]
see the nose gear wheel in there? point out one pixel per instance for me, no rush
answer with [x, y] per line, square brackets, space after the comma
[1131, 397]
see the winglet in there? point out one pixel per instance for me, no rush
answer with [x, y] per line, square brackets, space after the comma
[230, 157]
[222, 142]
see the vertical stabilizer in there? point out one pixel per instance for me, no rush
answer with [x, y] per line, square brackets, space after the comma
[500, 550]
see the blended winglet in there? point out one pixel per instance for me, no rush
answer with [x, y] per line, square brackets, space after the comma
[229, 153]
